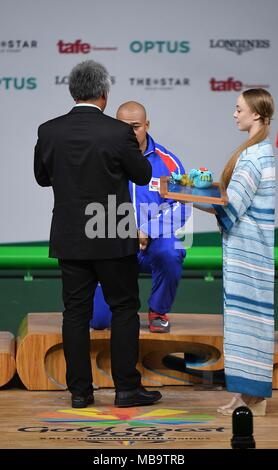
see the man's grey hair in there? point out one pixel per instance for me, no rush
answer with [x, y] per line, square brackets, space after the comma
[89, 80]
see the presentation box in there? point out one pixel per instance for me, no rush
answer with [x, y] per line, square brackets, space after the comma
[211, 195]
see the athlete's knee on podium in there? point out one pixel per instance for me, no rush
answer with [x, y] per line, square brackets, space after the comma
[101, 315]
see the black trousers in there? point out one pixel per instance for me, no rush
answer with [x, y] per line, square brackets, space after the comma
[119, 281]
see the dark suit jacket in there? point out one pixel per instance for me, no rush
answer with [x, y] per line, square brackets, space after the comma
[85, 156]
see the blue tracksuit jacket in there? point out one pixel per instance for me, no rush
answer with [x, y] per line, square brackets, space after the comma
[162, 258]
[166, 215]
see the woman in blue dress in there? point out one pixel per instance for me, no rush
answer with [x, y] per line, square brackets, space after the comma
[247, 225]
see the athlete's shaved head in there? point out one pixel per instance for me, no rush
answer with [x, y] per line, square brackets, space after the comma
[132, 107]
[135, 114]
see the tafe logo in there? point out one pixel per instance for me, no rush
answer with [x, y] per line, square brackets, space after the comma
[233, 85]
[79, 47]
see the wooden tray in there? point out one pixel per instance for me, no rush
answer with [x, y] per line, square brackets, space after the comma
[212, 195]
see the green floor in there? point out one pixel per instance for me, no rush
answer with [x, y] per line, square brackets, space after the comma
[43, 294]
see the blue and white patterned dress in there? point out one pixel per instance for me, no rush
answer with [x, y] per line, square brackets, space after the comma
[248, 272]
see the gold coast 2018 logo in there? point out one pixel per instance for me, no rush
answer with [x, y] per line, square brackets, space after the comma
[125, 426]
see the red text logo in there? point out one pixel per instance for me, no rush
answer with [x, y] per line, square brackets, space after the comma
[226, 85]
[76, 47]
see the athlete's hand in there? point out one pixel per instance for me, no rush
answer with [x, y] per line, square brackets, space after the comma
[143, 240]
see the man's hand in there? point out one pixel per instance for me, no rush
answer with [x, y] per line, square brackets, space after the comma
[143, 240]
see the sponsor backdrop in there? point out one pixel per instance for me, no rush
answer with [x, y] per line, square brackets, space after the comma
[185, 60]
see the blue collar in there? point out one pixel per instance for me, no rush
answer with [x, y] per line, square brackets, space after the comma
[150, 146]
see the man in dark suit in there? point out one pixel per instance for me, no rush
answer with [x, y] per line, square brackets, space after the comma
[88, 159]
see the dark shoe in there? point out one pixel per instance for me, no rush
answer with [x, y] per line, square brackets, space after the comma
[158, 323]
[138, 397]
[81, 402]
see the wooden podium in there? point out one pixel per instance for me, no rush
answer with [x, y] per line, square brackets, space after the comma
[7, 357]
[41, 365]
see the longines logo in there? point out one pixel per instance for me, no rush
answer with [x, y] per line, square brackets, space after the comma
[17, 45]
[18, 83]
[79, 47]
[64, 80]
[231, 84]
[171, 47]
[239, 45]
[163, 83]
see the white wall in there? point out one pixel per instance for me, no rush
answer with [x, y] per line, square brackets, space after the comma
[191, 120]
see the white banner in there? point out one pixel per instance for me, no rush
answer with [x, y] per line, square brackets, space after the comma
[185, 60]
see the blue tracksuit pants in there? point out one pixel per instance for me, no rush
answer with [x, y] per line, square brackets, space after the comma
[163, 261]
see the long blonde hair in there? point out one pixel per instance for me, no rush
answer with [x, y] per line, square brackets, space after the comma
[259, 101]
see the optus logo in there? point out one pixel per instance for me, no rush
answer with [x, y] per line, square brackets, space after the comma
[16, 83]
[171, 47]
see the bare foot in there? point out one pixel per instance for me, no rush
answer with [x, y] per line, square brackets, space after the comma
[231, 402]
